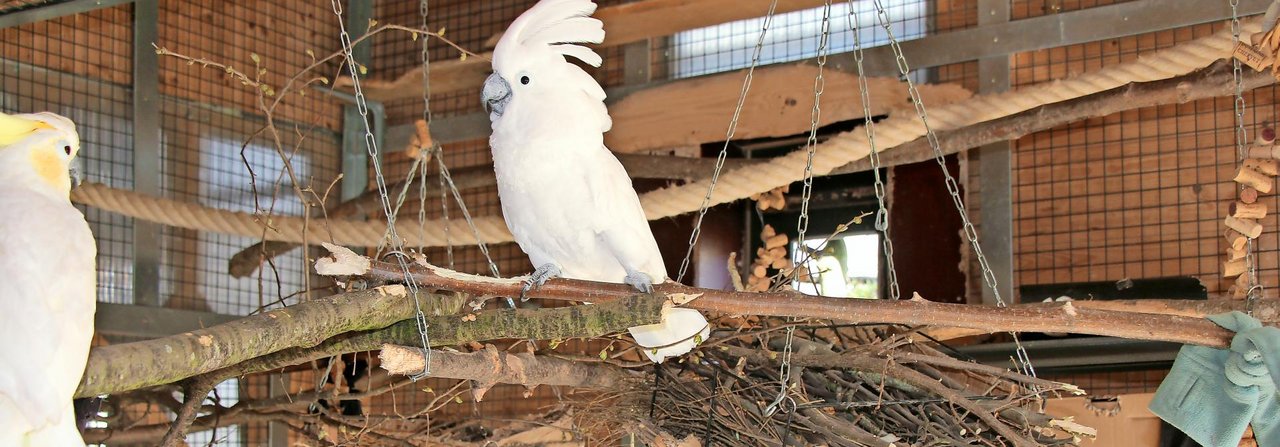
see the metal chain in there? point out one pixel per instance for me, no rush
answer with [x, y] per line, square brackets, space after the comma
[371, 146]
[1242, 152]
[444, 209]
[462, 206]
[971, 234]
[423, 10]
[724, 150]
[802, 223]
[882, 213]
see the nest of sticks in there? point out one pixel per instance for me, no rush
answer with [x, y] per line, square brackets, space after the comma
[849, 386]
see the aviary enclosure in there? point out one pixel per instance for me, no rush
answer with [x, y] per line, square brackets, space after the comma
[292, 199]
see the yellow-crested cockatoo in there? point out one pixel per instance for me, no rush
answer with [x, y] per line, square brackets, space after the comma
[565, 197]
[47, 302]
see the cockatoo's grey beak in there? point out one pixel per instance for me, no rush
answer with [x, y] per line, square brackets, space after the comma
[496, 95]
[76, 173]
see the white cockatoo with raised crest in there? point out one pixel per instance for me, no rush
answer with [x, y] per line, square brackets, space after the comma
[47, 303]
[565, 197]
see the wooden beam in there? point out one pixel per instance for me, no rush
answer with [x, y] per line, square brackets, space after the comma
[647, 19]
[696, 111]
[623, 24]
[446, 76]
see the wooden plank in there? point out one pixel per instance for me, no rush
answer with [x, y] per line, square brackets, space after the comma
[446, 76]
[646, 19]
[623, 24]
[695, 111]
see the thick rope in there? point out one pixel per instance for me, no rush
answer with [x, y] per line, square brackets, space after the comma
[274, 228]
[734, 185]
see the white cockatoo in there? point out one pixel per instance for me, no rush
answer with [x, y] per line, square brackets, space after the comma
[565, 197]
[47, 303]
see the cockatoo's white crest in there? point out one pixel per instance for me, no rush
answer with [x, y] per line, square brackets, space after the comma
[555, 26]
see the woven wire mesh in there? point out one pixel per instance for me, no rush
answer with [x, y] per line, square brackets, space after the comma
[1138, 194]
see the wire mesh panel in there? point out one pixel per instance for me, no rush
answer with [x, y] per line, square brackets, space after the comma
[1138, 194]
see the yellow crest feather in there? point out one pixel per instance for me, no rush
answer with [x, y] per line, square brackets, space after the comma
[13, 129]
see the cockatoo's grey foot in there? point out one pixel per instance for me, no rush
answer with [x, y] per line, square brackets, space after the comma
[538, 278]
[640, 280]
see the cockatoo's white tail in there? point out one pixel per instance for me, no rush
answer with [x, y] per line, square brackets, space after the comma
[680, 330]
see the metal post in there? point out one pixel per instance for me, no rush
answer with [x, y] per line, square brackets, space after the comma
[146, 150]
[995, 168]
[355, 157]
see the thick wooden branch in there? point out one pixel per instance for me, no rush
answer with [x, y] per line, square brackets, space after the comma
[130, 366]
[265, 342]
[1062, 317]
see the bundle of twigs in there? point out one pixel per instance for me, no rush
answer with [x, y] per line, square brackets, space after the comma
[850, 386]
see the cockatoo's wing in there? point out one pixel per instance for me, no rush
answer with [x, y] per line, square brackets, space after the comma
[47, 303]
[620, 222]
[618, 218]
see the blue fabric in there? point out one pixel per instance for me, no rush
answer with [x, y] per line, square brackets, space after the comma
[1212, 395]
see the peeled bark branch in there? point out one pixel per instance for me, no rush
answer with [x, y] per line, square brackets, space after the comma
[1063, 317]
[491, 366]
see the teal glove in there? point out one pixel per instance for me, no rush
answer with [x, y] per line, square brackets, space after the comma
[1212, 395]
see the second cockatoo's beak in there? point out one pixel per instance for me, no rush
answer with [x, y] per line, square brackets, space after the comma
[76, 171]
[496, 95]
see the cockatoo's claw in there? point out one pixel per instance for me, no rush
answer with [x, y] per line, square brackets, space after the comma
[538, 278]
[640, 280]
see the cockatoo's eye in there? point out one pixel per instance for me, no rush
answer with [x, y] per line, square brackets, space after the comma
[67, 149]
[524, 80]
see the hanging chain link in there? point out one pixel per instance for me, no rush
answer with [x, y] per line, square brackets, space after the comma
[802, 223]
[724, 150]
[971, 234]
[882, 212]
[1242, 152]
[423, 10]
[371, 146]
[444, 210]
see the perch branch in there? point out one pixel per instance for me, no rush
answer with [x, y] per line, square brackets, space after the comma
[1059, 318]
[251, 345]
[129, 366]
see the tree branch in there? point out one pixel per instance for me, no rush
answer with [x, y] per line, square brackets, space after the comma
[491, 366]
[241, 347]
[1059, 317]
[193, 393]
[129, 366]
